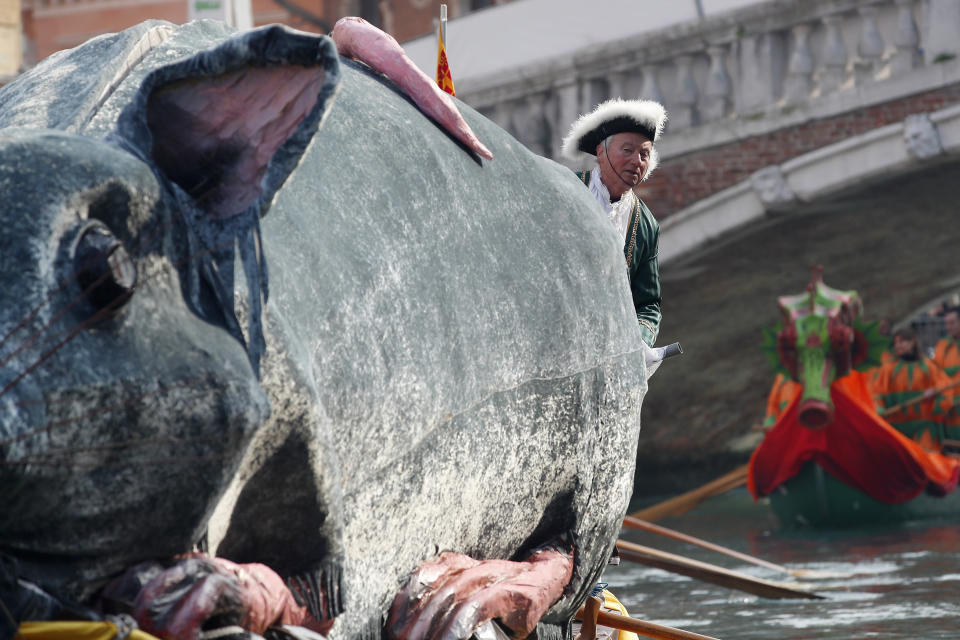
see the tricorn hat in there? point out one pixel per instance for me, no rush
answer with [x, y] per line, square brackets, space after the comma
[645, 117]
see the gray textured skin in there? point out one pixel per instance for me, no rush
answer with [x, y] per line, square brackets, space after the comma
[451, 358]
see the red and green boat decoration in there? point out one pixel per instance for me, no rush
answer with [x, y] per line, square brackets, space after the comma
[830, 459]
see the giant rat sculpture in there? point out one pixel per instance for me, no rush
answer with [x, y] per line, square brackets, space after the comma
[446, 358]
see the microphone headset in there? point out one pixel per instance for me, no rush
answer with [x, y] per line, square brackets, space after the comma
[606, 149]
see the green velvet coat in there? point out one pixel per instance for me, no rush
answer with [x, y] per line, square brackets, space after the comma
[640, 250]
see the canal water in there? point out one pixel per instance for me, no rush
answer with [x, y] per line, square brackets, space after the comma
[891, 581]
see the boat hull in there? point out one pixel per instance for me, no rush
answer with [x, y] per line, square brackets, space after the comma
[814, 498]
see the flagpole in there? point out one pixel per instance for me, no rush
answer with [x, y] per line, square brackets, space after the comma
[444, 78]
[443, 23]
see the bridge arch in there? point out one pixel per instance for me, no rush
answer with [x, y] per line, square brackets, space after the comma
[921, 139]
[880, 212]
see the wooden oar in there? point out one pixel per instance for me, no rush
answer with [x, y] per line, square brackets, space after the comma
[685, 501]
[587, 615]
[642, 627]
[643, 525]
[909, 403]
[708, 572]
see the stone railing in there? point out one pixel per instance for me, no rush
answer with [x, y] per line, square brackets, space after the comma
[737, 74]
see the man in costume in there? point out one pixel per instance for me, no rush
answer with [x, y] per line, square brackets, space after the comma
[621, 135]
[906, 378]
[947, 352]
[947, 355]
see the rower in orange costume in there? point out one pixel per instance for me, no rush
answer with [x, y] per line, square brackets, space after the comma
[947, 352]
[908, 377]
[947, 355]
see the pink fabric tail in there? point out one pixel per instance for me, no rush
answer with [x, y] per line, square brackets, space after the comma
[358, 39]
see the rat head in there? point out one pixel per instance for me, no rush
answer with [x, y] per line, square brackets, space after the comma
[127, 383]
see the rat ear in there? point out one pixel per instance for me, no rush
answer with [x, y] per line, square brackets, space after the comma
[229, 124]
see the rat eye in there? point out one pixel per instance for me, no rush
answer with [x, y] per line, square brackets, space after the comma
[104, 269]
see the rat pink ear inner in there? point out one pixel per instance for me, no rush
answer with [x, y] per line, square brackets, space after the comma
[214, 136]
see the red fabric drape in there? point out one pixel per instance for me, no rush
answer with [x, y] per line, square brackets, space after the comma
[858, 447]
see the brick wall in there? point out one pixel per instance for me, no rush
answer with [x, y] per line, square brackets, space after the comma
[50, 27]
[269, 12]
[683, 180]
[408, 19]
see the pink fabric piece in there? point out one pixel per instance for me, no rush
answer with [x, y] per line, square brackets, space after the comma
[358, 39]
[266, 599]
[175, 604]
[450, 597]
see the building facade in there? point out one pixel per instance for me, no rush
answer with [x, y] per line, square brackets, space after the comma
[51, 25]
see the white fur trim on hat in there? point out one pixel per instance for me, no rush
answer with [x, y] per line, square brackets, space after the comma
[648, 115]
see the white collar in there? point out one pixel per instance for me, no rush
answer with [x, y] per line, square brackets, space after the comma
[599, 190]
[618, 213]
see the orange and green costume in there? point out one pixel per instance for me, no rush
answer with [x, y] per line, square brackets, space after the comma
[885, 357]
[947, 356]
[901, 381]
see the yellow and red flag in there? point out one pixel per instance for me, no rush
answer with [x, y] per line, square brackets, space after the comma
[444, 79]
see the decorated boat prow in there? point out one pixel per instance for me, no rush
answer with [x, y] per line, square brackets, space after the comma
[830, 458]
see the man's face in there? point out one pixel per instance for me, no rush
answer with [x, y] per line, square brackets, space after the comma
[902, 346]
[623, 161]
[952, 322]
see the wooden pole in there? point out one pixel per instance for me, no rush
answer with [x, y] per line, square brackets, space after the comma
[588, 617]
[686, 501]
[708, 572]
[642, 627]
[643, 525]
[903, 405]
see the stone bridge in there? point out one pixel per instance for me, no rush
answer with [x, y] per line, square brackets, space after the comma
[801, 133]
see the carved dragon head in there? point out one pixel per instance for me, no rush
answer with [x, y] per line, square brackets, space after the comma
[820, 338]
